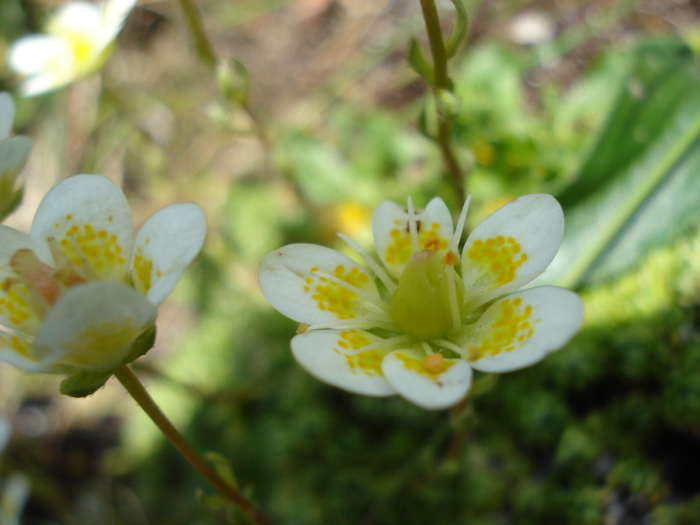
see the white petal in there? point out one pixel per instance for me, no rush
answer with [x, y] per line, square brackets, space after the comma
[511, 247]
[114, 12]
[164, 247]
[18, 352]
[14, 153]
[92, 327]
[7, 115]
[522, 329]
[75, 17]
[324, 355]
[40, 53]
[392, 238]
[15, 311]
[89, 218]
[406, 371]
[288, 282]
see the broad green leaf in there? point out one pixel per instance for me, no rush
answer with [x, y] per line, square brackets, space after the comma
[640, 185]
[416, 59]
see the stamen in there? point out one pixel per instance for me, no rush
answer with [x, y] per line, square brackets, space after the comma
[35, 275]
[372, 300]
[373, 265]
[452, 295]
[451, 346]
[459, 230]
[87, 271]
[427, 348]
[357, 322]
[382, 343]
[412, 226]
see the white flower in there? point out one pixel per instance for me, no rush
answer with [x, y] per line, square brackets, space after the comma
[77, 42]
[436, 315]
[78, 291]
[14, 152]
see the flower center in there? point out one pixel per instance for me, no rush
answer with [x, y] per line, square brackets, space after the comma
[427, 300]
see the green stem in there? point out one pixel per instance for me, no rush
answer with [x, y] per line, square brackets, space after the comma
[132, 385]
[204, 49]
[441, 82]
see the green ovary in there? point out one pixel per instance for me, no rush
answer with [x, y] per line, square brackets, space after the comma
[421, 304]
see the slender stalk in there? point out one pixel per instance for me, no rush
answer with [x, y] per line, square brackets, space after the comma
[204, 48]
[442, 82]
[132, 385]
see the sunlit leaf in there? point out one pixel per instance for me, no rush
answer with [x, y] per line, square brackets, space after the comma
[640, 185]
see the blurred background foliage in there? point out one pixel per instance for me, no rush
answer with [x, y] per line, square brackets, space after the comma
[596, 102]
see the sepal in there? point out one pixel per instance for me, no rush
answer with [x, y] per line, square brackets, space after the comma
[84, 384]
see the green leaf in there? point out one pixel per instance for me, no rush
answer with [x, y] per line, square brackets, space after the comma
[459, 31]
[640, 185]
[417, 61]
[84, 384]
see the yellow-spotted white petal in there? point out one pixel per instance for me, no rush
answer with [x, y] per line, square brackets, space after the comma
[392, 232]
[18, 307]
[7, 115]
[314, 284]
[522, 329]
[164, 247]
[92, 327]
[511, 247]
[335, 357]
[87, 219]
[434, 385]
[18, 352]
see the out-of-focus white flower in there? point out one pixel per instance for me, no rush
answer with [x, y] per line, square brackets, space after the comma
[77, 292]
[438, 314]
[14, 152]
[78, 40]
[531, 28]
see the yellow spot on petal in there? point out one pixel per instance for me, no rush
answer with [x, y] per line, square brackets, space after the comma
[369, 363]
[499, 255]
[143, 268]
[89, 249]
[510, 329]
[17, 344]
[335, 298]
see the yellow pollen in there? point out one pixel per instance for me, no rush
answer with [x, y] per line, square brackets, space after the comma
[420, 367]
[434, 363]
[401, 249]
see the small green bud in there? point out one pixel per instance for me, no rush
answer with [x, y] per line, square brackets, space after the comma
[421, 303]
[448, 104]
[233, 81]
